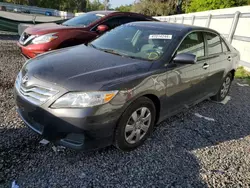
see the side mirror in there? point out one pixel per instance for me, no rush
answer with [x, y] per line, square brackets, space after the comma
[102, 28]
[185, 58]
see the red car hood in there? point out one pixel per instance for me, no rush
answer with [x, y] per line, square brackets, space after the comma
[41, 29]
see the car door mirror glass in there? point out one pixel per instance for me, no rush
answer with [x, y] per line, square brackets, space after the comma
[185, 58]
[102, 28]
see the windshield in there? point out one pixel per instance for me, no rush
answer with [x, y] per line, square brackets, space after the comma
[83, 20]
[135, 42]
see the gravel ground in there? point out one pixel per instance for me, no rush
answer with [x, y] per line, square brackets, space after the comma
[184, 151]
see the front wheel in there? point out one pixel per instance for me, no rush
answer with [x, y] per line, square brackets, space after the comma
[224, 89]
[135, 125]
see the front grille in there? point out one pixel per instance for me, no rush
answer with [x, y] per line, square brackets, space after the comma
[35, 94]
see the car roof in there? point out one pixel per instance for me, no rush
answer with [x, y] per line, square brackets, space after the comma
[104, 12]
[114, 13]
[172, 26]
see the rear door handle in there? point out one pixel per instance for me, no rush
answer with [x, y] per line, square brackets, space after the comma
[229, 58]
[205, 66]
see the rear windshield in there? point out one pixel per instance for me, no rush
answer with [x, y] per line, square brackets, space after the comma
[83, 20]
[137, 42]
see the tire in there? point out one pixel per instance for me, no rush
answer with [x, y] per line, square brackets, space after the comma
[223, 92]
[126, 128]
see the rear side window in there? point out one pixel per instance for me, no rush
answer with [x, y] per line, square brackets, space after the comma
[213, 43]
[117, 21]
[193, 44]
[125, 20]
[113, 22]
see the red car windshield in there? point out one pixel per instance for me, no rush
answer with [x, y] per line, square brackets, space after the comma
[83, 20]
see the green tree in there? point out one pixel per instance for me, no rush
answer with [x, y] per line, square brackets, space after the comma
[198, 5]
[155, 7]
[88, 6]
[95, 5]
[124, 8]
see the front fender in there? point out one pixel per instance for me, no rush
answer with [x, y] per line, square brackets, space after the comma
[141, 85]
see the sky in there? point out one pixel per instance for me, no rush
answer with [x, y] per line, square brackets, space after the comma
[117, 3]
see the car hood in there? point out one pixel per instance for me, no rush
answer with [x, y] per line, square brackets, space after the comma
[83, 68]
[41, 29]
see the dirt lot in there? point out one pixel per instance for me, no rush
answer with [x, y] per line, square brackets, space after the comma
[186, 150]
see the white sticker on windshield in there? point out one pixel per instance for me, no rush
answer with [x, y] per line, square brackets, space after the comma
[169, 37]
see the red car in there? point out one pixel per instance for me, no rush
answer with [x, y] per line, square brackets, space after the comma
[79, 30]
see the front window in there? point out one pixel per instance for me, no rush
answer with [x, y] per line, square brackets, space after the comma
[135, 42]
[193, 44]
[83, 20]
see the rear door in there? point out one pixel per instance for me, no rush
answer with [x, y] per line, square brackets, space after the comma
[219, 60]
[186, 84]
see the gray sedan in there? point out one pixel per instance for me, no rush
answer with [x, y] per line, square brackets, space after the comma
[116, 89]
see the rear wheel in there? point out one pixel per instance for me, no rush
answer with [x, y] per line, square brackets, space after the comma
[224, 89]
[135, 125]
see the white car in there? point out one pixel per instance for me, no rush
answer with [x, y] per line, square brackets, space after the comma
[16, 10]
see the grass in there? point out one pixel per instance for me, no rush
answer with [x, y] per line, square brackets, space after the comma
[242, 73]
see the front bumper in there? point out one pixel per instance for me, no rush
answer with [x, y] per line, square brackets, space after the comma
[88, 128]
[30, 52]
[33, 50]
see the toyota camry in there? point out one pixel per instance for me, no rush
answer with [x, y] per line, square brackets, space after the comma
[116, 89]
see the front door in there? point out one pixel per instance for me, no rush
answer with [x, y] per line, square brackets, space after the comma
[186, 84]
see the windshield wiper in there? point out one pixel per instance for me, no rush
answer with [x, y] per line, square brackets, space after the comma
[114, 52]
[133, 57]
[107, 50]
[92, 45]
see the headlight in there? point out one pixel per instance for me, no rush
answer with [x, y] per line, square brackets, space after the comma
[45, 38]
[82, 99]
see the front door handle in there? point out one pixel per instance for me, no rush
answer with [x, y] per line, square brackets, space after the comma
[229, 58]
[205, 66]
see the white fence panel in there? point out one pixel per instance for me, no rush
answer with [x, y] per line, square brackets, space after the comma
[243, 27]
[222, 25]
[200, 22]
[187, 21]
